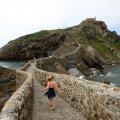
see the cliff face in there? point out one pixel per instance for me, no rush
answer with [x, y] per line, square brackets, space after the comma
[41, 44]
[28, 47]
[7, 84]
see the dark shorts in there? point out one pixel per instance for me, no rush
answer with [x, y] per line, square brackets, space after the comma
[50, 93]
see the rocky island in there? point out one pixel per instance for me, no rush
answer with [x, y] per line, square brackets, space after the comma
[84, 46]
[98, 45]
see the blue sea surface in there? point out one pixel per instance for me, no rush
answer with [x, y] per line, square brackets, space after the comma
[112, 74]
[12, 64]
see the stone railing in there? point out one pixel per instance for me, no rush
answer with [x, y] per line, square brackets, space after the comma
[7, 84]
[96, 101]
[19, 105]
[24, 67]
[72, 55]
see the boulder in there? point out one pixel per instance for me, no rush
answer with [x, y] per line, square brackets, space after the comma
[60, 68]
[91, 57]
[84, 69]
[7, 84]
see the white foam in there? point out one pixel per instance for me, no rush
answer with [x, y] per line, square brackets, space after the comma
[110, 74]
[95, 71]
[5, 66]
[101, 75]
[82, 77]
[112, 84]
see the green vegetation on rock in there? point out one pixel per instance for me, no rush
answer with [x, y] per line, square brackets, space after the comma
[43, 43]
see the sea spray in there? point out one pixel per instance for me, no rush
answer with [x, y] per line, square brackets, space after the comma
[112, 75]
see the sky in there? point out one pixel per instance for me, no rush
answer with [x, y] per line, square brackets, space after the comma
[21, 17]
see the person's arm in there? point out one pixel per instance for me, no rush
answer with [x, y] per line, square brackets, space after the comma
[45, 88]
[57, 89]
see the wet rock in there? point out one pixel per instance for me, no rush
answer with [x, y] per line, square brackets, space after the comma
[84, 69]
[105, 82]
[91, 57]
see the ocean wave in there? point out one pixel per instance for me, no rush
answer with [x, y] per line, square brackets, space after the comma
[5, 66]
[95, 71]
[81, 77]
[110, 74]
[113, 84]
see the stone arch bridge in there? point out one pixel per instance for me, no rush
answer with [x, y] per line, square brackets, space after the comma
[80, 100]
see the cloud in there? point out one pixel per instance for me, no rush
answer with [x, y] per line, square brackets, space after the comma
[20, 17]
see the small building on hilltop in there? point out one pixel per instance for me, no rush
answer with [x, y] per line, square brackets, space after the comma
[93, 20]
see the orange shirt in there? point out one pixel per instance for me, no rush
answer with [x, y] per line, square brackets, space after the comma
[52, 84]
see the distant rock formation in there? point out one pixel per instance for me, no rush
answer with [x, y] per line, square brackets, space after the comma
[82, 62]
[28, 47]
[97, 44]
[43, 43]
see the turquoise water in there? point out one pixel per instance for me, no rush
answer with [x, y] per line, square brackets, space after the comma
[112, 74]
[12, 64]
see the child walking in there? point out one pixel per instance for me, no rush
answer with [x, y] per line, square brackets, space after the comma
[51, 86]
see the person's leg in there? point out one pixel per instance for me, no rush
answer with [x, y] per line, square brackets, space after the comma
[51, 103]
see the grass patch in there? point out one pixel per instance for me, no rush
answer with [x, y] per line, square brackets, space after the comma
[35, 36]
[103, 48]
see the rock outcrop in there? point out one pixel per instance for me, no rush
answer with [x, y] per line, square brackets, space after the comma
[89, 58]
[97, 43]
[7, 84]
[43, 43]
[28, 47]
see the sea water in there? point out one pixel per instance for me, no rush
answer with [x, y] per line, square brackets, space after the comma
[12, 64]
[112, 72]
[112, 75]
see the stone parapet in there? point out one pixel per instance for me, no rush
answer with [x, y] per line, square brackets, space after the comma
[7, 84]
[24, 67]
[96, 101]
[19, 105]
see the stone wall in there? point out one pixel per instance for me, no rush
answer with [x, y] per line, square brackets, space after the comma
[19, 106]
[20, 79]
[93, 20]
[96, 101]
[48, 63]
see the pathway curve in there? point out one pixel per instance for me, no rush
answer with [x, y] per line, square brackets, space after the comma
[41, 108]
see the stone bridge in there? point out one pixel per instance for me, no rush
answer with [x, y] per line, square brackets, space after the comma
[80, 100]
